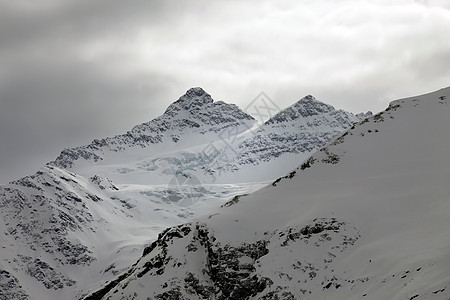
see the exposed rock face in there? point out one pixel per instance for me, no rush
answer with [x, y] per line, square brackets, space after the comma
[44, 215]
[10, 287]
[226, 271]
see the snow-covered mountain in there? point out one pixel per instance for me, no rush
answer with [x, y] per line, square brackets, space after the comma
[193, 114]
[88, 215]
[64, 234]
[301, 128]
[366, 217]
[210, 141]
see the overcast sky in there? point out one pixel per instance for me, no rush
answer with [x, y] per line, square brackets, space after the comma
[75, 70]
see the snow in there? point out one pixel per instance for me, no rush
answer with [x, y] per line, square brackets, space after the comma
[87, 216]
[376, 202]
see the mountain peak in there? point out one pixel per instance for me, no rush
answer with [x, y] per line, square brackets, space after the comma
[194, 98]
[308, 98]
[305, 107]
[198, 91]
[309, 106]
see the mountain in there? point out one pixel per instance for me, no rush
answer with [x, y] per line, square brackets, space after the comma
[194, 113]
[50, 221]
[211, 142]
[87, 216]
[59, 226]
[299, 129]
[366, 217]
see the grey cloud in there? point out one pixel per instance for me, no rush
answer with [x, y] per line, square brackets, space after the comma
[72, 71]
[47, 106]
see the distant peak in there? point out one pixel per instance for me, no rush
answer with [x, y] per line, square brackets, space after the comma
[195, 94]
[194, 98]
[308, 98]
[196, 91]
[309, 106]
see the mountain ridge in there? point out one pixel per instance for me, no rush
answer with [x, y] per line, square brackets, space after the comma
[364, 217]
[223, 129]
[181, 115]
[96, 207]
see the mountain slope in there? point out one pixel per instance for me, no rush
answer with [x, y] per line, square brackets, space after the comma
[366, 217]
[94, 209]
[59, 226]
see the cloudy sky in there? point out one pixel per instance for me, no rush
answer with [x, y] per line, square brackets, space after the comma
[75, 70]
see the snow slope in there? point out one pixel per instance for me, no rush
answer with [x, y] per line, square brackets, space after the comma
[366, 217]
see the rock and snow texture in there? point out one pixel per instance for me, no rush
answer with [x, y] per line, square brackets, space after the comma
[366, 217]
[87, 216]
[301, 129]
[64, 234]
[193, 114]
[211, 141]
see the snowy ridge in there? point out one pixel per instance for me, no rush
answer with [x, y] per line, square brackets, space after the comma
[366, 217]
[211, 141]
[193, 113]
[301, 129]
